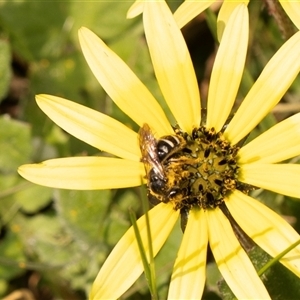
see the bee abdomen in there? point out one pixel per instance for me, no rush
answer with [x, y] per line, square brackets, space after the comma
[167, 145]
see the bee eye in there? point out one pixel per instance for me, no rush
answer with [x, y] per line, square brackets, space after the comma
[157, 184]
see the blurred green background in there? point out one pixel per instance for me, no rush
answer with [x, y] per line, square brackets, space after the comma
[53, 242]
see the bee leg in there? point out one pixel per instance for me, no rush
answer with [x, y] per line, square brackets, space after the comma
[153, 200]
[184, 213]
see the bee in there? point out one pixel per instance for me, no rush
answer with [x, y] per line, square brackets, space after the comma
[155, 173]
[161, 177]
[157, 156]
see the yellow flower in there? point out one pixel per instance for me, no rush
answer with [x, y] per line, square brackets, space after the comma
[189, 9]
[254, 164]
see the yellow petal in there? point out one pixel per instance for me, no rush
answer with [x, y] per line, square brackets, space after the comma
[121, 84]
[189, 9]
[188, 276]
[85, 173]
[292, 9]
[135, 9]
[124, 265]
[228, 68]
[232, 260]
[91, 126]
[279, 178]
[270, 231]
[227, 8]
[268, 89]
[279, 143]
[172, 64]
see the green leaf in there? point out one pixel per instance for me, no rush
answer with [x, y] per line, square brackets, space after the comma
[14, 144]
[44, 238]
[107, 18]
[33, 198]
[32, 26]
[11, 256]
[83, 213]
[281, 283]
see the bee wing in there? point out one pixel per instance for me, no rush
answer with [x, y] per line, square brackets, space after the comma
[147, 142]
[148, 146]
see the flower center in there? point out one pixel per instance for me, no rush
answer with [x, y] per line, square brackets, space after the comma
[202, 170]
[196, 170]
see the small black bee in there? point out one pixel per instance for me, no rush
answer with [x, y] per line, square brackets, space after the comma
[156, 177]
[156, 155]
